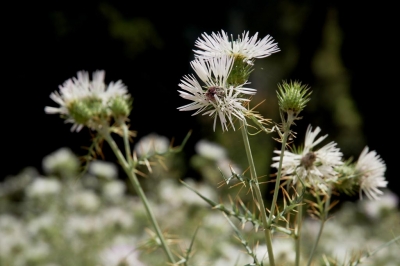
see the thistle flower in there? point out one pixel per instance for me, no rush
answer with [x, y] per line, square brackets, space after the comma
[218, 98]
[245, 47]
[314, 167]
[371, 170]
[90, 103]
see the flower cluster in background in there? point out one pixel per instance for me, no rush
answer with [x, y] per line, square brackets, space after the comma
[67, 219]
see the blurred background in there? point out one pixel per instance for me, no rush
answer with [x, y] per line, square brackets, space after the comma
[343, 52]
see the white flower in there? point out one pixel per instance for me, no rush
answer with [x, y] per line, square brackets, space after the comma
[218, 98]
[61, 160]
[85, 200]
[210, 150]
[40, 223]
[103, 169]
[74, 92]
[42, 187]
[77, 224]
[114, 190]
[120, 255]
[151, 144]
[227, 166]
[114, 216]
[218, 44]
[371, 169]
[374, 208]
[314, 167]
[13, 235]
[38, 251]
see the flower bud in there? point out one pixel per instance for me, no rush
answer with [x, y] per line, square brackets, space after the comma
[293, 96]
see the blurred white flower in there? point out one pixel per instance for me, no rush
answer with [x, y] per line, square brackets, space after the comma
[315, 167]
[177, 196]
[120, 255]
[42, 187]
[151, 144]
[216, 220]
[13, 236]
[61, 160]
[227, 166]
[245, 47]
[374, 208]
[210, 150]
[85, 200]
[79, 224]
[283, 250]
[117, 217]
[38, 251]
[114, 190]
[371, 170]
[103, 169]
[40, 223]
[219, 99]
[232, 255]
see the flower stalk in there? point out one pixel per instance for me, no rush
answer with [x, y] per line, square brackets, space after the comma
[323, 220]
[286, 126]
[298, 226]
[128, 168]
[255, 185]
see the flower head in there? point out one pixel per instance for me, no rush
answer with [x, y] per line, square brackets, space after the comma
[88, 103]
[314, 167]
[371, 170]
[293, 96]
[245, 47]
[218, 98]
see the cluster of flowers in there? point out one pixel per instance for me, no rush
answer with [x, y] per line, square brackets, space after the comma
[320, 168]
[223, 66]
[85, 102]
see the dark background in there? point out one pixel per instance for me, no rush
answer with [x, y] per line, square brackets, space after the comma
[346, 53]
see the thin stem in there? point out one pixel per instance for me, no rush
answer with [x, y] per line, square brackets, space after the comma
[126, 143]
[286, 127]
[136, 185]
[321, 228]
[298, 227]
[279, 175]
[369, 254]
[255, 185]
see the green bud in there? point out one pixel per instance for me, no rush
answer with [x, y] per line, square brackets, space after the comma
[86, 111]
[347, 181]
[240, 72]
[293, 96]
[120, 107]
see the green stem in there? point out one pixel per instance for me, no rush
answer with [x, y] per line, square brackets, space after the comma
[321, 228]
[279, 174]
[298, 227]
[255, 185]
[126, 143]
[136, 185]
[369, 254]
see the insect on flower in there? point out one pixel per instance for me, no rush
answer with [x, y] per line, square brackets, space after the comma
[212, 91]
